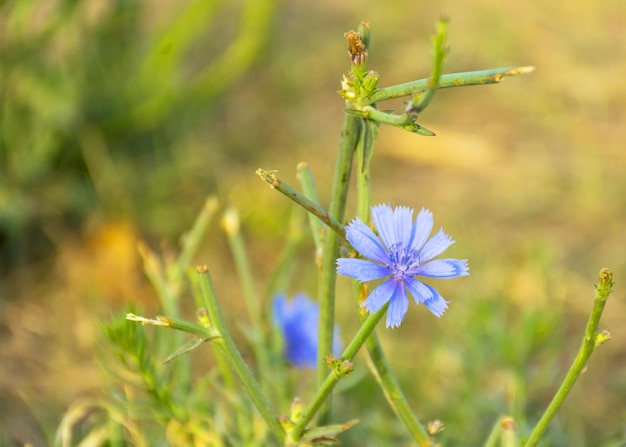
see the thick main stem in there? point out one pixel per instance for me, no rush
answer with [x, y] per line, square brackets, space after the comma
[327, 278]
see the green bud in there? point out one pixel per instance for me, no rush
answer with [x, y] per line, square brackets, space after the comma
[345, 368]
[364, 31]
[230, 221]
[369, 83]
[286, 423]
[434, 427]
[331, 361]
[601, 338]
[296, 409]
[603, 289]
[203, 317]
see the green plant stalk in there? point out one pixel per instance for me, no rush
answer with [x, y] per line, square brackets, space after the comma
[494, 434]
[169, 300]
[308, 188]
[175, 274]
[482, 77]
[202, 302]
[590, 341]
[378, 362]
[405, 121]
[330, 380]
[232, 355]
[192, 240]
[222, 364]
[439, 55]
[365, 151]
[328, 276]
[509, 437]
[237, 248]
[257, 335]
[279, 185]
[153, 268]
[175, 323]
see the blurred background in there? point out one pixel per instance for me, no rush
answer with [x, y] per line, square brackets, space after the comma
[119, 118]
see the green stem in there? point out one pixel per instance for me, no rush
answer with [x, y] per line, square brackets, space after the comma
[482, 77]
[308, 188]
[232, 227]
[330, 380]
[154, 270]
[327, 279]
[192, 240]
[175, 323]
[234, 358]
[257, 333]
[494, 435]
[590, 341]
[393, 392]
[509, 436]
[312, 207]
[378, 362]
[439, 55]
[175, 273]
[405, 121]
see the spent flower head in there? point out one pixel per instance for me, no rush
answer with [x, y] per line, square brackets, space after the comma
[401, 252]
[297, 320]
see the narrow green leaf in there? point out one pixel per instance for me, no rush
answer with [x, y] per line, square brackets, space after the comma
[187, 347]
[325, 435]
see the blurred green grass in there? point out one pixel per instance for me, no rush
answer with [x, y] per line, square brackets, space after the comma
[119, 118]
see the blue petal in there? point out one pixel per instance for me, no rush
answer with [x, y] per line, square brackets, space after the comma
[418, 290]
[278, 308]
[437, 305]
[403, 225]
[361, 269]
[435, 246]
[363, 239]
[304, 307]
[426, 294]
[382, 215]
[442, 268]
[297, 320]
[421, 229]
[397, 307]
[380, 295]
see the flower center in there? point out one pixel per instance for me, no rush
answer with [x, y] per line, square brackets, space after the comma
[402, 259]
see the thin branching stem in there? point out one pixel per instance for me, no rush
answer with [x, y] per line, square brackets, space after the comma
[439, 55]
[330, 380]
[236, 362]
[312, 207]
[591, 340]
[310, 192]
[481, 77]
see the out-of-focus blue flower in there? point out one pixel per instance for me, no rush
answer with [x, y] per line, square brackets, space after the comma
[297, 320]
[400, 252]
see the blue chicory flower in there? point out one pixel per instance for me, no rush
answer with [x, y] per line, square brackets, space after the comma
[399, 253]
[297, 320]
